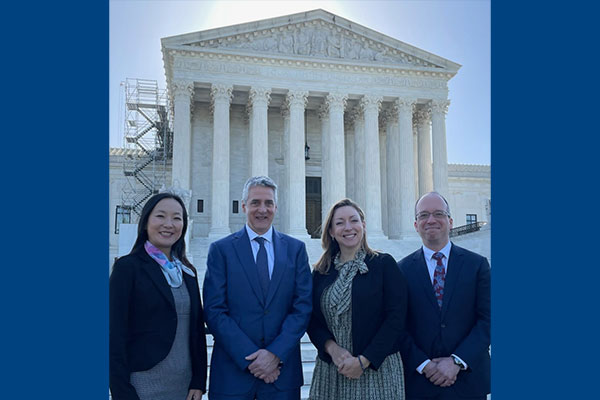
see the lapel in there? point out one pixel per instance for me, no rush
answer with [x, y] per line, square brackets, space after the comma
[156, 276]
[280, 246]
[241, 244]
[455, 263]
[423, 274]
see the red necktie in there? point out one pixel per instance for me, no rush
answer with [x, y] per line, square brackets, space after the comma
[438, 278]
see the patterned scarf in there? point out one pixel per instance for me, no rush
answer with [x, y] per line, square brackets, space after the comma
[341, 290]
[172, 270]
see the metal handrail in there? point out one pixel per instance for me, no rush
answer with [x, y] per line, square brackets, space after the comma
[464, 229]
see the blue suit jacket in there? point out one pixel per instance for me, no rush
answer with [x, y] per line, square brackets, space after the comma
[461, 327]
[242, 321]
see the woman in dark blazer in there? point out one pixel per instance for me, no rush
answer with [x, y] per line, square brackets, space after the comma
[157, 342]
[359, 309]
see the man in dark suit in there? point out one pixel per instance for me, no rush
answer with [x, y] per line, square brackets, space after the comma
[446, 349]
[257, 303]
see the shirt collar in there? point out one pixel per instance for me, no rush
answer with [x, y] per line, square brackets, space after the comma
[445, 251]
[268, 235]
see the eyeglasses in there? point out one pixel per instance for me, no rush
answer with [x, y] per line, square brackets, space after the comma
[423, 215]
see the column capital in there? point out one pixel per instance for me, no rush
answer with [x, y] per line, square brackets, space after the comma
[355, 113]
[440, 105]
[423, 115]
[221, 92]
[182, 88]
[259, 95]
[296, 98]
[385, 116]
[348, 122]
[392, 114]
[371, 102]
[323, 111]
[405, 104]
[336, 101]
[284, 110]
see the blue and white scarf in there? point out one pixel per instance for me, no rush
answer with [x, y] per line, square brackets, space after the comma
[172, 270]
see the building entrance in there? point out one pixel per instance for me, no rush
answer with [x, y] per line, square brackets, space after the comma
[313, 206]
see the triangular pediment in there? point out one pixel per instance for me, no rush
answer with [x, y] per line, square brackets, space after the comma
[317, 35]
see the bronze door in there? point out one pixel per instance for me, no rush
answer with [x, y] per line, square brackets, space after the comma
[313, 206]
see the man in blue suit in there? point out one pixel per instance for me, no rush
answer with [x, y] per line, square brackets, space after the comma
[257, 304]
[446, 349]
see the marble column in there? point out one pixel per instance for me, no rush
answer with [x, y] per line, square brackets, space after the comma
[439, 109]
[424, 145]
[393, 171]
[296, 100]
[337, 165]
[183, 94]
[325, 161]
[349, 149]
[407, 171]
[383, 118]
[415, 153]
[221, 96]
[258, 103]
[359, 158]
[283, 188]
[371, 105]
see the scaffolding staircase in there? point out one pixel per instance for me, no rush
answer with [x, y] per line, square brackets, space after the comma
[148, 131]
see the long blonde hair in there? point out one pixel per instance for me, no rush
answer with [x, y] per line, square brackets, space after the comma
[331, 246]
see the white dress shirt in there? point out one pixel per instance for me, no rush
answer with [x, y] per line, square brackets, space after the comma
[268, 235]
[431, 264]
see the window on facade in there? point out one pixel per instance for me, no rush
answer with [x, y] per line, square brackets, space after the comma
[122, 216]
[471, 219]
[235, 207]
[200, 205]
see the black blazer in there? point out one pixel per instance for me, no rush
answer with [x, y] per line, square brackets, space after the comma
[461, 327]
[379, 300]
[143, 321]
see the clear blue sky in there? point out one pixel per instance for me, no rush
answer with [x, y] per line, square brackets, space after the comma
[456, 30]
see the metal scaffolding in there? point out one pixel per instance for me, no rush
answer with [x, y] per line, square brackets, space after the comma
[147, 130]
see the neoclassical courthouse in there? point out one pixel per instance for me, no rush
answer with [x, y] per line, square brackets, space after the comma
[328, 109]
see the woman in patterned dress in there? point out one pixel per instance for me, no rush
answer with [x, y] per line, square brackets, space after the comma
[359, 309]
[157, 344]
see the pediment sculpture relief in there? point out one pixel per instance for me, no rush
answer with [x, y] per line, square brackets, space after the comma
[317, 41]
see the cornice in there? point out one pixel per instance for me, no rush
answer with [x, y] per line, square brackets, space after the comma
[272, 60]
[469, 171]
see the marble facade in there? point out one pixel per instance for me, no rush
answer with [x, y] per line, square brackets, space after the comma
[248, 98]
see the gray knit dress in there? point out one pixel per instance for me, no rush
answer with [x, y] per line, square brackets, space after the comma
[387, 383]
[170, 378]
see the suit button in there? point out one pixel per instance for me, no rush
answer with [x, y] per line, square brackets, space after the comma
[443, 325]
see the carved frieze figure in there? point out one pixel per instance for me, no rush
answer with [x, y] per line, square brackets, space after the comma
[303, 42]
[286, 43]
[317, 41]
[334, 46]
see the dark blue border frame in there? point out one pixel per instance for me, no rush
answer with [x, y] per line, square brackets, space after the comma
[544, 176]
[55, 200]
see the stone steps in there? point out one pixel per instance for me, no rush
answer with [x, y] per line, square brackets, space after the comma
[308, 354]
